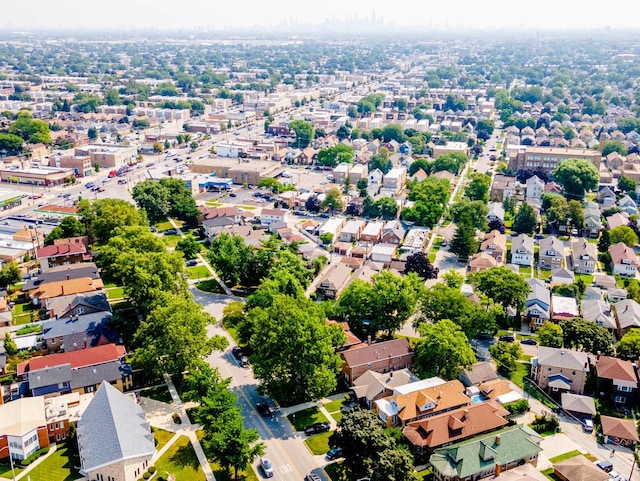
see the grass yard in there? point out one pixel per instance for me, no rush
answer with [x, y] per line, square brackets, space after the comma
[213, 203]
[432, 257]
[172, 240]
[562, 457]
[181, 461]
[210, 285]
[319, 443]
[158, 393]
[521, 371]
[306, 417]
[587, 278]
[5, 469]
[545, 274]
[334, 471]
[164, 225]
[246, 207]
[525, 271]
[56, 467]
[334, 406]
[161, 436]
[549, 474]
[198, 272]
[115, 293]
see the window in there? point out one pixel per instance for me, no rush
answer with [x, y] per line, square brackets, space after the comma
[80, 310]
[619, 399]
[624, 388]
[53, 341]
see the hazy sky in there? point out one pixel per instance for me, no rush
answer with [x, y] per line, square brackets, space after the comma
[220, 14]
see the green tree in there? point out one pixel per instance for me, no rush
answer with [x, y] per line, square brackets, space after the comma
[393, 132]
[11, 142]
[230, 257]
[474, 213]
[10, 274]
[576, 214]
[624, 234]
[333, 200]
[362, 185]
[303, 131]
[451, 162]
[182, 204]
[381, 160]
[387, 208]
[609, 146]
[69, 227]
[587, 336]
[443, 350]
[506, 355]
[478, 187]
[234, 446]
[430, 199]
[577, 176]
[628, 347]
[103, 216]
[453, 279]
[112, 97]
[189, 247]
[550, 335]
[464, 244]
[30, 130]
[336, 154]
[504, 286]
[419, 263]
[173, 337]
[151, 196]
[604, 242]
[627, 184]
[525, 221]
[92, 133]
[10, 346]
[293, 347]
[326, 238]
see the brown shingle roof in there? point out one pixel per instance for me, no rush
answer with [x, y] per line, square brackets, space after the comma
[444, 396]
[619, 428]
[614, 368]
[374, 352]
[579, 468]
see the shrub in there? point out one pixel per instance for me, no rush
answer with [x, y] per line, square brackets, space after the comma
[176, 418]
[517, 407]
[146, 475]
[152, 469]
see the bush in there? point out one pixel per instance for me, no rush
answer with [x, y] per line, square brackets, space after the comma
[517, 407]
[176, 418]
[146, 475]
[152, 469]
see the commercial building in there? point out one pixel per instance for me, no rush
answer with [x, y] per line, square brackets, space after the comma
[80, 164]
[108, 155]
[547, 159]
[47, 176]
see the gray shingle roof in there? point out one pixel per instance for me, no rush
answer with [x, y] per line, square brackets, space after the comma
[93, 375]
[49, 376]
[90, 326]
[60, 273]
[112, 428]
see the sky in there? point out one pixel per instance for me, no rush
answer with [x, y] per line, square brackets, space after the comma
[277, 14]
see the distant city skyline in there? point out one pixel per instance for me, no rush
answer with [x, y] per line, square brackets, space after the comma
[278, 14]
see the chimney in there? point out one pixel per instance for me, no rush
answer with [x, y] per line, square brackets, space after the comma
[85, 343]
[68, 277]
[498, 440]
[498, 469]
[369, 340]
[62, 289]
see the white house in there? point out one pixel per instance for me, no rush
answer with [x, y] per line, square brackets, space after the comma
[270, 216]
[534, 188]
[522, 250]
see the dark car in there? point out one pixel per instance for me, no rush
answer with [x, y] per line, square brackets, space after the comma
[507, 338]
[170, 232]
[334, 453]
[233, 194]
[324, 215]
[237, 352]
[485, 336]
[529, 341]
[312, 477]
[191, 263]
[264, 409]
[317, 428]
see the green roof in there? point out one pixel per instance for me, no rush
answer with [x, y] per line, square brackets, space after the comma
[482, 453]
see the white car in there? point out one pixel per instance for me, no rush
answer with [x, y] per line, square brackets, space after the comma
[286, 175]
[267, 467]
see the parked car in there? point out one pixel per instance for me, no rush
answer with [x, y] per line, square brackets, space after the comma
[264, 409]
[485, 336]
[507, 338]
[170, 232]
[606, 466]
[244, 361]
[334, 453]
[233, 194]
[317, 428]
[528, 341]
[587, 426]
[267, 467]
[122, 181]
[191, 263]
[312, 477]
[237, 352]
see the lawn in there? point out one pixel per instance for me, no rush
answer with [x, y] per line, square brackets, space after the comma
[319, 443]
[246, 207]
[213, 203]
[164, 225]
[181, 461]
[172, 240]
[306, 417]
[56, 467]
[158, 393]
[115, 293]
[562, 457]
[587, 278]
[198, 272]
[334, 406]
[161, 436]
[525, 270]
[210, 285]
[5, 469]
[521, 371]
[545, 274]
[337, 416]
[334, 471]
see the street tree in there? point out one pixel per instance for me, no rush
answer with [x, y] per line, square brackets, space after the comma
[464, 244]
[628, 347]
[153, 197]
[478, 187]
[313, 204]
[234, 446]
[293, 350]
[333, 200]
[418, 262]
[506, 355]
[504, 286]
[174, 336]
[624, 234]
[525, 221]
[230, 257]
[303, 131]
[104, 216]
[550, 335]
[334, 155]
[189, 247]
[473, 212]
[69, 227]
[443, 350]
[393, 132]
[627, 184]
[576, 176]
[584, 335]
[10, 142]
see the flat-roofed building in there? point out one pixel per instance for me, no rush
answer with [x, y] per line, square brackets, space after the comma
[108, 155]
[547, 159]
[37, 175]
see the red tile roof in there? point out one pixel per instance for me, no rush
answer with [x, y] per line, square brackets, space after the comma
[80, 358]
[61, 250]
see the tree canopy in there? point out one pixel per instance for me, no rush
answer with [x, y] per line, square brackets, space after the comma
[624, 234]
[303, 131]
[628, 347]
[103, 216]
[550, 335]
[504, 286]
[335, 155]
[577, 176]
[525, 221]
[430, 199]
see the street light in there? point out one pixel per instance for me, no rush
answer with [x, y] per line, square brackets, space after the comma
[13, 473]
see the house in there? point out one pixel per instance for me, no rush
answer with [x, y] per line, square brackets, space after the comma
[478, 373]
[593, 293]
[592, 220]
[214, 226]
[77, 371]
[402, 408]
[382, 357]
[61, 273]
[526, 472]
[333, 226]
[115, 441]
[534, 189]
[562, 276]
[584, 256]
[522, 250]
[352, 230]
[538, 304]
[617, 219]
[551, 253]
[618, 378]
[393, 232]
[604, 281]
[502, 187]
[628, 205]
[577, 405]
[77, 304]
[375, 178]
[606, 196]
[486, 455]
[44, 292]
[480, 262]
[495, 244]
[372, 232]
[334, 280]
[496, 211]
[563, 308]
[395, 179]
[599, 311]
[498, 390]
[431, 433]
[627, 315]
[375, 385]
[579, 468]
[560, 370]
[622, 432]
[415, 239]
[623, 260]
[62, 254]
[79, 332]
[270, 216]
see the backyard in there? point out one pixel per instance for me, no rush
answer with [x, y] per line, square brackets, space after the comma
[58, 466]
[181, 461]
